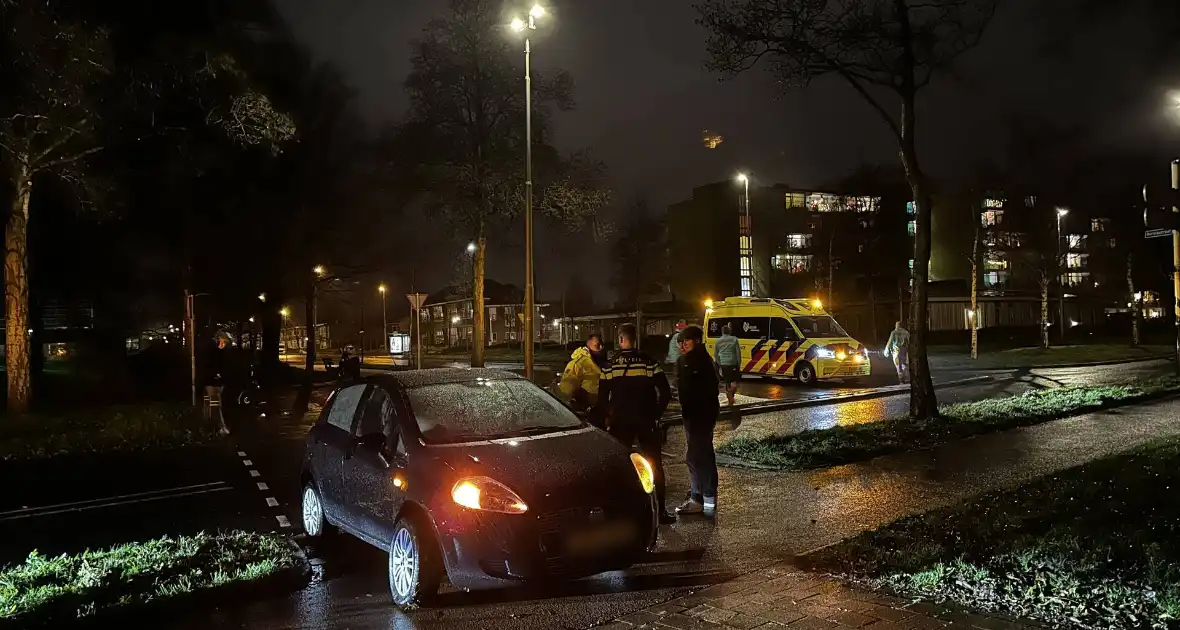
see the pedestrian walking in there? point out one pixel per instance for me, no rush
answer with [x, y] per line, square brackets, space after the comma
[697, 377]
[580, 380]
[729, 357]
[674, 350]
[634, 393]
[898, 348]
[213, 381]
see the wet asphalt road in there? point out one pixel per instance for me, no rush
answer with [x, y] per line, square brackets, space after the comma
[764, 517]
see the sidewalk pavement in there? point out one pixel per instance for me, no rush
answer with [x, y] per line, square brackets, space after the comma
[782, 596]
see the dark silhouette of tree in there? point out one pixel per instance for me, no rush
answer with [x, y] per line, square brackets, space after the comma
[577, 298]
[639, 256]
[877, 47]
[464, 141]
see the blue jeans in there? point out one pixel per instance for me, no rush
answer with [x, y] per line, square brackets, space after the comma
[701, 458]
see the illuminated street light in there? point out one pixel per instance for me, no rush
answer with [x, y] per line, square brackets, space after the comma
[381, 288]
[743, 178]
[285, 312]
[251, 319]
[471, 248]
[261, 297]
[319, 270]
[521, 26]
[1062, 212]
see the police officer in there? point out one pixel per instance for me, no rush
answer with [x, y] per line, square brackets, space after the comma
[635, 392]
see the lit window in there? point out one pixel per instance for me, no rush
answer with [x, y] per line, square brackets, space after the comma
[1030, 201]
[1076, 241]
[745, 265]
[492, 313]
[989, 218]
[744, 242]
[1099, 225]
[1112, 242]
[911, 263]
[792, 263]
[798, 241]
[860, 248]
[796, 200]
[1074, 279]
[993, 203]
[909, 207]
[994, 278]
[746, 288]
[911, 228]
[1075, 261]
[995, 261]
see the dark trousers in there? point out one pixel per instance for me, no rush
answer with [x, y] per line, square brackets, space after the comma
[647, 434]
[702, 459]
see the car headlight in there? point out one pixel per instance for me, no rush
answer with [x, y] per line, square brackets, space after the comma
[824, 353]
[840, 355]
[647, 477]
[858, 358]
[487, 494]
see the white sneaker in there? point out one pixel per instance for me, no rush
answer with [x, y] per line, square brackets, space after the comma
[710, 505]
[690, 507]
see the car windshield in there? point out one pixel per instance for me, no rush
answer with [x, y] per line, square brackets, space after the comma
[819, 327]
[486, 409]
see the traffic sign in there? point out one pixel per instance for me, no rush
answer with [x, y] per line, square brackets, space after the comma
[417, 300]
[1157, 233]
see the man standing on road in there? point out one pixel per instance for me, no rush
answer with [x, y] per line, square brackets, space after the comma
[634, 393]
[898, 348]
[579, 381]
[729, 358]
[673, 355]
[697, 376]
[213, 379]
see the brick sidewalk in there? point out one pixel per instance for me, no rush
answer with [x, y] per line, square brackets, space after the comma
[785, 597]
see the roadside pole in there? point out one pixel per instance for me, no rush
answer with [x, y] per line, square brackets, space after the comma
[416, 302]
[189, 339]
[1176, 260]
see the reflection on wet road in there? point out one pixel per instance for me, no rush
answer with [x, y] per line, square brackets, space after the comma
[763, 517]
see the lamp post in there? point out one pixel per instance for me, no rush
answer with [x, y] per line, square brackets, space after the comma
[520, 26]
[384, 321]
[1061, 212]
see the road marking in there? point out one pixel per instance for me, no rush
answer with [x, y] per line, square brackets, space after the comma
[272, 502]
[283, 522]
[241, 453]
[262, 486]
[125, 499]
[255, 473]
[247, 462]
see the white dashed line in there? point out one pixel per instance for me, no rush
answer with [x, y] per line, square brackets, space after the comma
[272, 502]
[262, 486]
[283, 522]
[255, 473]
[247, 462]
[241, 453]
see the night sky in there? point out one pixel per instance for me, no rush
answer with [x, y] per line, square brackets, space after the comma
[644, 98]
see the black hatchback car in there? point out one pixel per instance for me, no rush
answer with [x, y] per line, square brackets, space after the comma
[476, 473]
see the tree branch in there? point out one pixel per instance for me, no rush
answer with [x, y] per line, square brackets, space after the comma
[68, 159]
[880, 109]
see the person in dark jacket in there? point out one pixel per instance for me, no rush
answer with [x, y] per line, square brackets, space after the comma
[700, 406]
[213, 379]
[634, 393]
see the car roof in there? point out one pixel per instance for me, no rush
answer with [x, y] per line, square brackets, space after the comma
[439, 376]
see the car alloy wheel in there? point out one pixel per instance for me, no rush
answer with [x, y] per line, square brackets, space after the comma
[313, 512]
[414, 571]
[807, 374]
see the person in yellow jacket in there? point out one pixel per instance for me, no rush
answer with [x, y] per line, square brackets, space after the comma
[579, 381]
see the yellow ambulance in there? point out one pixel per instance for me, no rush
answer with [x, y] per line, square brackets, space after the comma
[790, 338]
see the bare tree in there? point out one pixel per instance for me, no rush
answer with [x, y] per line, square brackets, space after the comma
[877, 47]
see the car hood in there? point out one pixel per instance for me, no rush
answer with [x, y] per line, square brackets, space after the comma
[550, 469]
[837, 341]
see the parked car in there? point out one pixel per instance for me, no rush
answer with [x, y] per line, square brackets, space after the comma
[476, 474]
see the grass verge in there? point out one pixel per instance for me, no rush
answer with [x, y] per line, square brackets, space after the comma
[853, 443]
[1014, 358]
[49, 590]
[118, 428]
[1091, 547]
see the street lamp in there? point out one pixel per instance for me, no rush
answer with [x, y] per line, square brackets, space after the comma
[285, 312]
[319, 270]
[471, 248]
[262, 297]
[384, 321]
[522, 26]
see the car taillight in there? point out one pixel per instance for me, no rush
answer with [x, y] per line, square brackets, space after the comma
[487, 494]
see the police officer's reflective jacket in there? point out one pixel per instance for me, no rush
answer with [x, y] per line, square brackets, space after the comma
[633, 388]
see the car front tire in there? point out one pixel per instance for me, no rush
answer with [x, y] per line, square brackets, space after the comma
[806, 374]
[315, 524]
[414, 567]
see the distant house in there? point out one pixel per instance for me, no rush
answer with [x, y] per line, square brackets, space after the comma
[447, 318]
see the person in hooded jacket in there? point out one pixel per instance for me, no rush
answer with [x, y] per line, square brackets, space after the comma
[579, 381]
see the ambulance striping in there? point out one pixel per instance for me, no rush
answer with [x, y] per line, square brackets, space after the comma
[793, 355]
[773, 355]
[755, 356]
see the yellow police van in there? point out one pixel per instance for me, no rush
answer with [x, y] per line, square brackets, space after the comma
[790, 338]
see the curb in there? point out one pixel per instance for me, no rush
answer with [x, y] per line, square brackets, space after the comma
[881, 392]
[1158, 357]
[234, 594]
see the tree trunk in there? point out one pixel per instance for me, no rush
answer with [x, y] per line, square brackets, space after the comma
[973, 321]
[923, 400]
[16, 292]
[478, 325]
[1136, 304]
[1045, 312]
